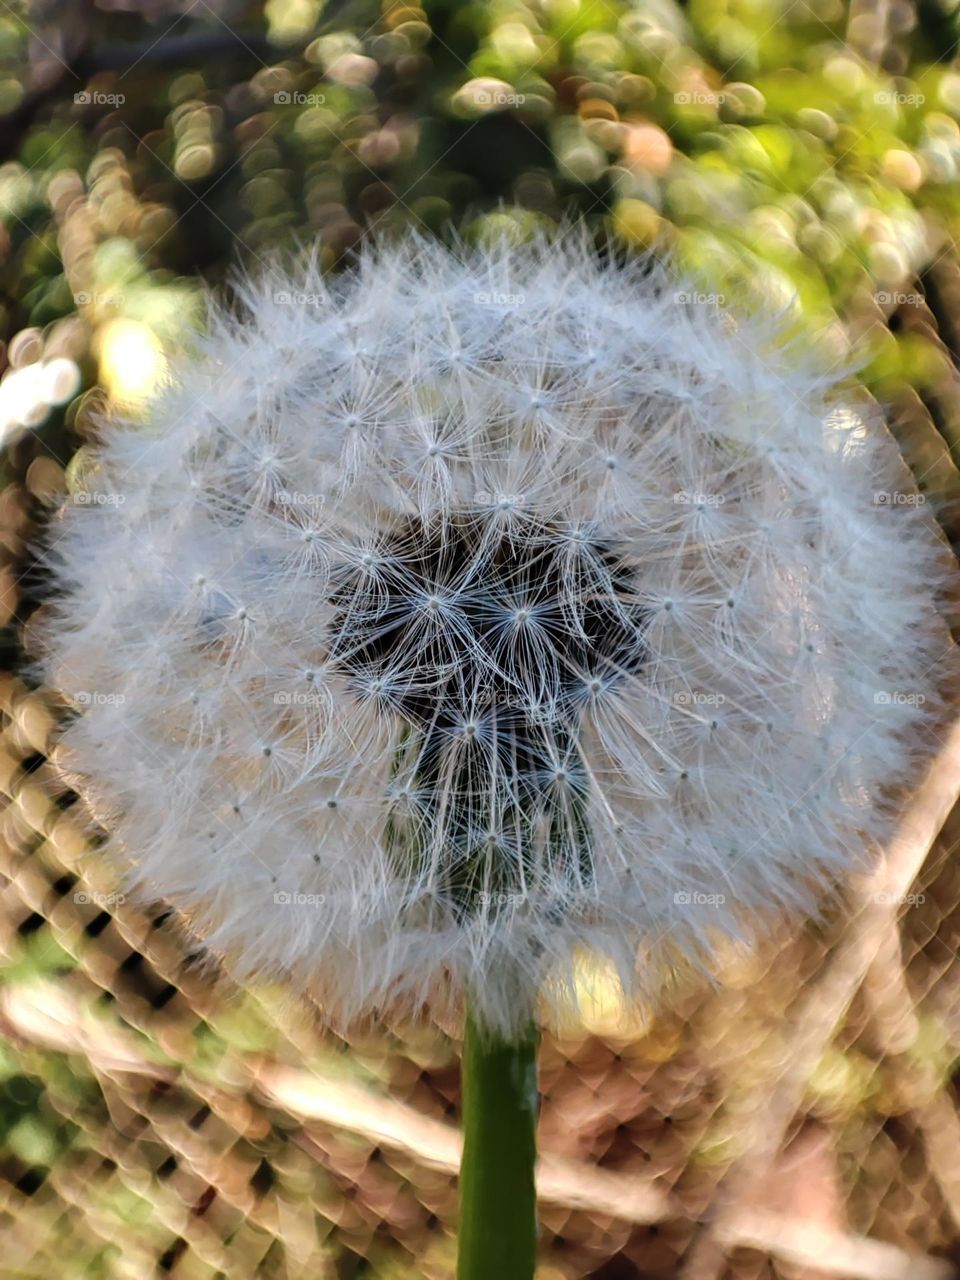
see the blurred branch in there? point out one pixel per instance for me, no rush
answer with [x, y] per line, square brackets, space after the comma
[867, 928]
[583, 1186]
[834, 1253]
[50, 1014]
[192, 46]
[895, 1025]
[87, 60]
[66, 55]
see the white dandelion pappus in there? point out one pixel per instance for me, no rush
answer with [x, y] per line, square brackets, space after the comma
[455, 637]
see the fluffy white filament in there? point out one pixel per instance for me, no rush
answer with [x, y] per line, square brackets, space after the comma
[472, 607]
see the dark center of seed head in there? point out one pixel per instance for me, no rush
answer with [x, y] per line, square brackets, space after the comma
[492, 641]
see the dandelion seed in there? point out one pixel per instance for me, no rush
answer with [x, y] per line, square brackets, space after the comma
[594, 596]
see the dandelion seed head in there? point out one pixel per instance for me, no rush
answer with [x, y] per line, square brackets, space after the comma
[504, 631]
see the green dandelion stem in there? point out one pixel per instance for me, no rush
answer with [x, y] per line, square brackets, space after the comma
[498, 1198]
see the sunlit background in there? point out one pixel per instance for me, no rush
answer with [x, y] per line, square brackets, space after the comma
[155, 1122]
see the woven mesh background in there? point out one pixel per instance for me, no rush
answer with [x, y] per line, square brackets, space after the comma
[798, 1118]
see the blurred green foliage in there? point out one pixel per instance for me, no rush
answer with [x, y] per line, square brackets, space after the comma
[806, 153]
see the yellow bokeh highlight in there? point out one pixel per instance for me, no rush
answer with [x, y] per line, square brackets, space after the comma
[132, 362]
